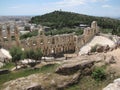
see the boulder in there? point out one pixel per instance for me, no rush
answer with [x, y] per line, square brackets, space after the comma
[67, 69]
[106, 48]
[103, 59]
[113, 86]
[110, 59]
[73, 81]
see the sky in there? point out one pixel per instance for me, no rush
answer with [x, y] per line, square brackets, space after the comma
[109, 8]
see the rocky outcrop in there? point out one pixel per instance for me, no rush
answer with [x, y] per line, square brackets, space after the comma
[103, 59]
[35, 87]
[67, 74]
[74, 80]
[42, 82]
[113, 86]
[99, 48]
[68, 69]
[85, 65]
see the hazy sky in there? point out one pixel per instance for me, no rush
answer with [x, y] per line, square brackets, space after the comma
[37, 7]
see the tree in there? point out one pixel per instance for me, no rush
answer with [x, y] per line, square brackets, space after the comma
[29, 54]
[16, 53]
[27, 28]
[38, 54]
[34, 54]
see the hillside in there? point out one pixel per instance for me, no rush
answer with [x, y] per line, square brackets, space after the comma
[60, 19]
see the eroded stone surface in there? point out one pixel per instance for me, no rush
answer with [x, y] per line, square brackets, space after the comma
[68, 73]
[113, 86]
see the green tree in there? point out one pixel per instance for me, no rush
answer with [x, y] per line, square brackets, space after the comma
[27, 28]
[29, 54]
[34, 54]
[38, 54]
[16, 54]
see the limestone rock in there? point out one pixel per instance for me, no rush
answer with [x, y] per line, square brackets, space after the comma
[106, 48]
[68, 69]
[110, 59]
[35, 87]
[113, 86]
[74, 80]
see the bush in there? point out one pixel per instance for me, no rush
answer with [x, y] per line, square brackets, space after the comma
[99, 74]
[30, 34]
[33, 54]
[93, 49]
[16, 53]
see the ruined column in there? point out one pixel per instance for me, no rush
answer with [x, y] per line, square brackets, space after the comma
[16, 34]
[8, 33]
[1, 38]
[94, 24]
[94, 27]
[41, 31]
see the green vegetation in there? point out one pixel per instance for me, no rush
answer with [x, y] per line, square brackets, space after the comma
[65, 22]
[30, 34]
[65, 30]
[9, 65]
[33, 54]
[116, 31]
[88, 83]
[107, 30]
[77, 31]
[16, 53]
[23, 73]
[99, 74]
[61, 19]
[93, 49]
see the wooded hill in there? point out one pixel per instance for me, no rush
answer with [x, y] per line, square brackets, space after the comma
[61, 19]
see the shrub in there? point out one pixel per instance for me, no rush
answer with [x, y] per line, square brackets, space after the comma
[99, 74]
[30, 34]
[93, 49]
[16, 53]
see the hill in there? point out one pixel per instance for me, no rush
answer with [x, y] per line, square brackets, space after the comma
[59, 19]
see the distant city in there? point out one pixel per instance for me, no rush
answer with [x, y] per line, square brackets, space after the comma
[14, 18]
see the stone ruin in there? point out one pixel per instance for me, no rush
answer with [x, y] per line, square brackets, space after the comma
[50, 45]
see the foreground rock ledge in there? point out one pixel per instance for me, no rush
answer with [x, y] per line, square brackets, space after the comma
[67, 74]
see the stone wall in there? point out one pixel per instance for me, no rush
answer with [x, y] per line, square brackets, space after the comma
[88, 34]
[51, 45]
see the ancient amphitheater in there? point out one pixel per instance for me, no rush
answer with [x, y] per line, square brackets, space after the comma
[50, 44]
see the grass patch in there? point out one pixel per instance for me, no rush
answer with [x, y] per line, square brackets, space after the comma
[8, 66]
[26, 72]
[88, 83]
[107, 31]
